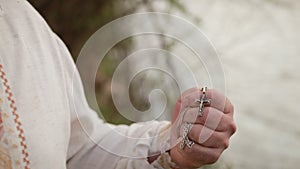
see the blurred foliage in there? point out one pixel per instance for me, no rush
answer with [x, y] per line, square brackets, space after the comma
[75, 21]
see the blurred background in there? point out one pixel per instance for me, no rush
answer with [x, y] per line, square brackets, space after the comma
[258, 45]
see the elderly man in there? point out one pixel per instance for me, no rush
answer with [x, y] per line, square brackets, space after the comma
[40, 128]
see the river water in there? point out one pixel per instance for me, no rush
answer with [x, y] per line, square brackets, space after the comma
[259, 46]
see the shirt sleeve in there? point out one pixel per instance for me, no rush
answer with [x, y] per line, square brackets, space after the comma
[59, 128]
[96, 144]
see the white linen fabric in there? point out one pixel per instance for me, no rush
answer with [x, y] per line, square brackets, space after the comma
[38, 106]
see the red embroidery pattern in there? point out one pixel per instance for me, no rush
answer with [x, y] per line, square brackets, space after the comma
[16, 118]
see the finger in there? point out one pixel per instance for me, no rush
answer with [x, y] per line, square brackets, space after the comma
[209, 138]
[218, 100]
[211, 118]
[183, 100]
[199, 155]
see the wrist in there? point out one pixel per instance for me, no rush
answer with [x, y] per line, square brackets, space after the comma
[164, 162]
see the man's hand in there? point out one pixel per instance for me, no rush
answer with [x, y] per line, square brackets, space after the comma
[210, 132]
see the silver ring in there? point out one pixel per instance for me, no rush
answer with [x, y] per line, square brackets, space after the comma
[203, 101]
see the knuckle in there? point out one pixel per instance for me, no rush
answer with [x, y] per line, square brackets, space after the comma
[223, 140]
[226, 143]
[219, 137]
[232, 127]
[213, 158]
